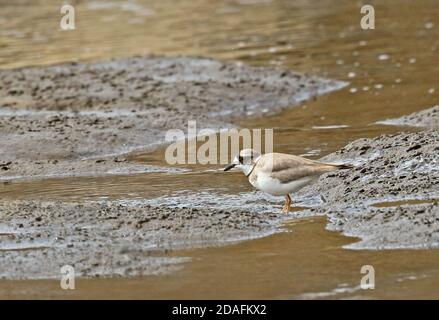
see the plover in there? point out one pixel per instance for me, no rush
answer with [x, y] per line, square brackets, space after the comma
[279, 173]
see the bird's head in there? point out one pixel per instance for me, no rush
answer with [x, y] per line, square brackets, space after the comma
[244, 160]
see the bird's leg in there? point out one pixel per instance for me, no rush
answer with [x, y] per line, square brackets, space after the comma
[287, 205]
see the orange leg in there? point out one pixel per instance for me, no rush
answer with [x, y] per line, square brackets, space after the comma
[287, 206]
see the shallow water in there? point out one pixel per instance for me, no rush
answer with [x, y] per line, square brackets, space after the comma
[409, 202]
[306, 262]
[392, 70]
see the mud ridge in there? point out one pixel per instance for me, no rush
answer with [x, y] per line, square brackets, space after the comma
[389, 168]
[428, 118]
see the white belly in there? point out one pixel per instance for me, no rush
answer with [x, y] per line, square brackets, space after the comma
[272, 186]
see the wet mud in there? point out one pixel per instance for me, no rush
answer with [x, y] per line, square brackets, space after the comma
[63, 129]
[111, 239]
[388, 169]
[428, 118]
[77, 119]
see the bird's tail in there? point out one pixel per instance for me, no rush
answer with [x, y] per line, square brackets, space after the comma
[344, 166]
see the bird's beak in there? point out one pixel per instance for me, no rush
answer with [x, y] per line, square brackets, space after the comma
[230, 166]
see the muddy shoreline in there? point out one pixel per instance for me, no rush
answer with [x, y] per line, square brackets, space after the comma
[390, 200]
[428, 118]
[77, 119]
[86, 120]
[64, 129]
[110, 239]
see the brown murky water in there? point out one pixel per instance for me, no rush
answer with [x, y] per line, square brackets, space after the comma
[392, 70]
[306, 262]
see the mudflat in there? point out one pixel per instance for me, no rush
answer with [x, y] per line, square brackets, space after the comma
[87, 119]
[391, 198]
[77, 119]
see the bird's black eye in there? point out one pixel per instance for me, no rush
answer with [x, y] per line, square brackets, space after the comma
[240, 159]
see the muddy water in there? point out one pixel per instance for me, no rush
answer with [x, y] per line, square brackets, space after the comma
[306, 262]
[392, 70]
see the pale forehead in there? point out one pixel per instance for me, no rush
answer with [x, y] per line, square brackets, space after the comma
[247, 152]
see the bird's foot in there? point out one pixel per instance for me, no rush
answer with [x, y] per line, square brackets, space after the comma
[287, 206]
[286, 209]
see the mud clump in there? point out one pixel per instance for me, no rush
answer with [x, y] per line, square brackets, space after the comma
[388, 168]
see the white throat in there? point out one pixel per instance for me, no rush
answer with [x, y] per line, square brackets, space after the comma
[246, 168]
